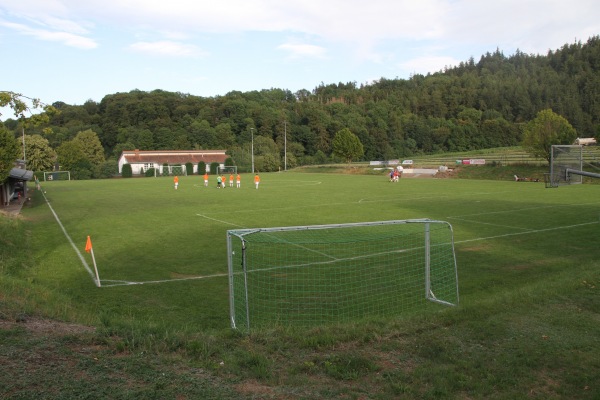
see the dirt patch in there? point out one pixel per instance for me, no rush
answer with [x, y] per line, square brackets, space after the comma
[254, 388]
[42, 327]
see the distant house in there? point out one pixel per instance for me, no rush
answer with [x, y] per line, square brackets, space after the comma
[585, 141]
[141, 160]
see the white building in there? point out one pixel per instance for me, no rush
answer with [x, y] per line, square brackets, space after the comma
[141, 160]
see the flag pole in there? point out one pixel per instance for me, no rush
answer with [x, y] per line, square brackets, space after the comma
[90, 249]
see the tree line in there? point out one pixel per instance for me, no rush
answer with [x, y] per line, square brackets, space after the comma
[474, 105]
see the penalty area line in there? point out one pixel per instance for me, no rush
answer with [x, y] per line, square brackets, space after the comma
[556, 228]
[220, 221]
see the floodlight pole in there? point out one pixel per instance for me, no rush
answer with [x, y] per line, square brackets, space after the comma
[252, 148]
[24, 159]
[284, 145]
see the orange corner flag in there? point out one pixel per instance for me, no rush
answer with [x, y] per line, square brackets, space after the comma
[88, 245]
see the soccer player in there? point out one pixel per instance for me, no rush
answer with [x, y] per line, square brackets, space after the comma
[238, 180]
[230, 180]
[256, 180]
[176, 181]
[219, 180]
[206, 179]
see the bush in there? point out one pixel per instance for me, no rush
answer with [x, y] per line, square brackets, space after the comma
[213, 168]
[126, 171]
[189, 168]
[150, 172]
[201, 168]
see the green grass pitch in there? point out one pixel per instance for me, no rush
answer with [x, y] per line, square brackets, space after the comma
[161, 253]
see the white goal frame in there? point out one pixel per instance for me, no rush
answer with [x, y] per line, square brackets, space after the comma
[49, 176]
[227, 169]
[322, 274]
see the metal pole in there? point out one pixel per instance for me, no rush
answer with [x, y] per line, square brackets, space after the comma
[284, 145]
[24, 159]
[252, 133]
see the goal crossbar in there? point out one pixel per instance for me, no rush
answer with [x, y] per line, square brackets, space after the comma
[321, 274]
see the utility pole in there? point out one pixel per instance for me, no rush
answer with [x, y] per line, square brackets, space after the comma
[285, 145]
[252, 133]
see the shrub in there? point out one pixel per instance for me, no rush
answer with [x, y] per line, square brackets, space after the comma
[189, 168]
[201, 168]
[126, 171]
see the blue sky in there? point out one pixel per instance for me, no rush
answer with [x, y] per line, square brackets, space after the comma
[75, 50]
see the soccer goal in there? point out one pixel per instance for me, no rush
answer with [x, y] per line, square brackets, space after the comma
[57, 176]
[175, 169]
[566, 166]
[227, 169]
[324, 274]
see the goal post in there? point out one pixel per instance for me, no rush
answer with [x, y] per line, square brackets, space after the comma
[566, 166]
[57, 176]
[326, 274]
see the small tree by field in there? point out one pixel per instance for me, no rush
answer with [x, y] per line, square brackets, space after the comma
[347, 145]
[547, 129]
[201, 168]
[126, 171]
[40, 156]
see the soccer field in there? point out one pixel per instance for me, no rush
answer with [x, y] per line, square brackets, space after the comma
[161, 253]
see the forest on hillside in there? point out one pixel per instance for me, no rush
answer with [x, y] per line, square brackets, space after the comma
[475, 105]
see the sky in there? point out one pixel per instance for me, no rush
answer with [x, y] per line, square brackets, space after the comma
[78, 50]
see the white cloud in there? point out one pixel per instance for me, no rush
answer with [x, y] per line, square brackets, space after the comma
[428, 64]
[67, 38]
[167, 48]
[302, 50]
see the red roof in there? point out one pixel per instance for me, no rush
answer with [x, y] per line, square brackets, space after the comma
[174, 156]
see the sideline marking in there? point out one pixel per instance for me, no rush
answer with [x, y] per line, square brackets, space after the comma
[85, 264]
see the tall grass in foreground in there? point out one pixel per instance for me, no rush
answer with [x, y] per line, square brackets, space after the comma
[527, 325]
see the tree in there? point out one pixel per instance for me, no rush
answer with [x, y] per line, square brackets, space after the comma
[40, 156]
[90, 145]
[545, 130]
[9, 152]
[20, 105]
[70, 155]
[347, 145]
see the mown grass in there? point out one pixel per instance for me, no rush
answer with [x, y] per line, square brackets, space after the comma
[527, 325]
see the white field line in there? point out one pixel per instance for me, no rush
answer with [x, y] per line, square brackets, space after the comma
[489, 223]
[85, 264]
[221, 221]
[129, 283]
[556, 228]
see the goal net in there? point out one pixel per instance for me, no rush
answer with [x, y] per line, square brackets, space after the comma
[57, 176]
[323, 274]
[227, 169]
[174, 169]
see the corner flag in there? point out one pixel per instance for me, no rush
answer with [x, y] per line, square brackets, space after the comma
[89, 249]
[88, 245]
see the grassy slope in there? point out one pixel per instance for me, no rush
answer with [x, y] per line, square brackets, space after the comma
[527, 325]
